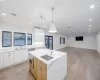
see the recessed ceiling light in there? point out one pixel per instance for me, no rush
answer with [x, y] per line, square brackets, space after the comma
[90, 19]
[73, 30]
[89, 25]
[1, 0]
[30, 22]
[4, 14]
[92, 6]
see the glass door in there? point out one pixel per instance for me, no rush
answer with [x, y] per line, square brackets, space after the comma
[49, 42]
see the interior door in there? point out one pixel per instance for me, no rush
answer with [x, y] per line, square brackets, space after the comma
[49, 42]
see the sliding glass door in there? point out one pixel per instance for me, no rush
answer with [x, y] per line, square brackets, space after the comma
[49, 42]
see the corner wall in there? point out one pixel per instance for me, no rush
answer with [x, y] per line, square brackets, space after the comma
[89, 42]
[56, 41]
[98, 42]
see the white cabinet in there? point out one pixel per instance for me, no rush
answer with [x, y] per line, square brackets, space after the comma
[8, 58]
[24, 54]
[13, 57]
[1, 60]
[39, 35]
[20, 55]
[17, 56]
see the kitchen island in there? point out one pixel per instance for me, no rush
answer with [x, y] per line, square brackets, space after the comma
[45, 64]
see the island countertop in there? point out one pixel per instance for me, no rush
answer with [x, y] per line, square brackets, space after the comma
[41, 52]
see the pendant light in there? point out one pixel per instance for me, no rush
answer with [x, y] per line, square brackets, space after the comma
[52, 28]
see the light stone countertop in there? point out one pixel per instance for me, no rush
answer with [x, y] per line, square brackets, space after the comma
[41, 52]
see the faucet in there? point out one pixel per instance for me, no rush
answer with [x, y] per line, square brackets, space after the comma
[20, 47]
[51, 52]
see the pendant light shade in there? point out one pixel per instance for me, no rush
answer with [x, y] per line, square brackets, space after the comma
[53, 27]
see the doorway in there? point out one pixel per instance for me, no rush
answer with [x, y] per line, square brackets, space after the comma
[49, 42]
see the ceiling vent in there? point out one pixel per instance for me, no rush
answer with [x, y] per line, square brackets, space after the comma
[69, 27]
[13, 14]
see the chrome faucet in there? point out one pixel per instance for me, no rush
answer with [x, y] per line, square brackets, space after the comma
[51, 51]
[20, 47]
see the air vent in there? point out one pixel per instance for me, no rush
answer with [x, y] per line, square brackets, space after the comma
[13, 14]
[69, 27]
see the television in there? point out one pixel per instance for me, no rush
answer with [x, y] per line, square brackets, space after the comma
[79, 38]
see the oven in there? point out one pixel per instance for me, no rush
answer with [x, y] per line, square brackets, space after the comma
[31, 60]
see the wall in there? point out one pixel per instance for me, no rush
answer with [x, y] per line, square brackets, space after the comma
[56, 41]
[13, 28]
[98, 42]
[89, 42]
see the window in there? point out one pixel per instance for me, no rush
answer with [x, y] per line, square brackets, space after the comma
[6, 39]
[19, 39]
[62, 40]
[29, 39]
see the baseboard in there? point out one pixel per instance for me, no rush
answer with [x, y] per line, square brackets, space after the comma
[98, 51]
[81, 48]
[13, 65]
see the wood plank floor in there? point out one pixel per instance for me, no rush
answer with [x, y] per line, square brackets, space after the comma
[83, 64]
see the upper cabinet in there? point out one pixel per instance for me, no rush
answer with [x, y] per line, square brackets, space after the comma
[39, 37]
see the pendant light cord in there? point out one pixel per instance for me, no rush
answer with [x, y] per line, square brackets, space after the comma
[52, 13]
[41, 19]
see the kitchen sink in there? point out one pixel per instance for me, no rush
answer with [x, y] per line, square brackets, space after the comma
[47, 57]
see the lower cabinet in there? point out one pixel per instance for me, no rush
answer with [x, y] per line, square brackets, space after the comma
[38, 69]
[17, 57]
[8, 58]
[20, 55]
[1, 60]
[41, 70]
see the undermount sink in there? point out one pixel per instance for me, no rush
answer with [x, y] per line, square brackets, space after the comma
[47, 57]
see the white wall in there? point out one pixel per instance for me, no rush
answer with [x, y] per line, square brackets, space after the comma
[13, 28]
[98, 42]
[56, 41]
[89, 42]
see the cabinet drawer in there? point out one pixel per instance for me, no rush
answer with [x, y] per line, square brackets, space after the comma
[8, 59]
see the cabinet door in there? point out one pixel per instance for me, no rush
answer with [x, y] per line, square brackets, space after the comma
[41, 70]
[24, 53]
[44, 71]
[8, 59]
[17, 56]
[20, 55]
[1, 60]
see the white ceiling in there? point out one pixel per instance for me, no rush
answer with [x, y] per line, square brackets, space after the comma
[67, 13]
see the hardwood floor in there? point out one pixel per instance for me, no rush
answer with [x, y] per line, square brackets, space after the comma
[83, 64]
[19, 72]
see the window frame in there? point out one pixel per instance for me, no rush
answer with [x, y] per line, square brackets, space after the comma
[27, 38]
[62, 40]
[14, 39]
[3, 38]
